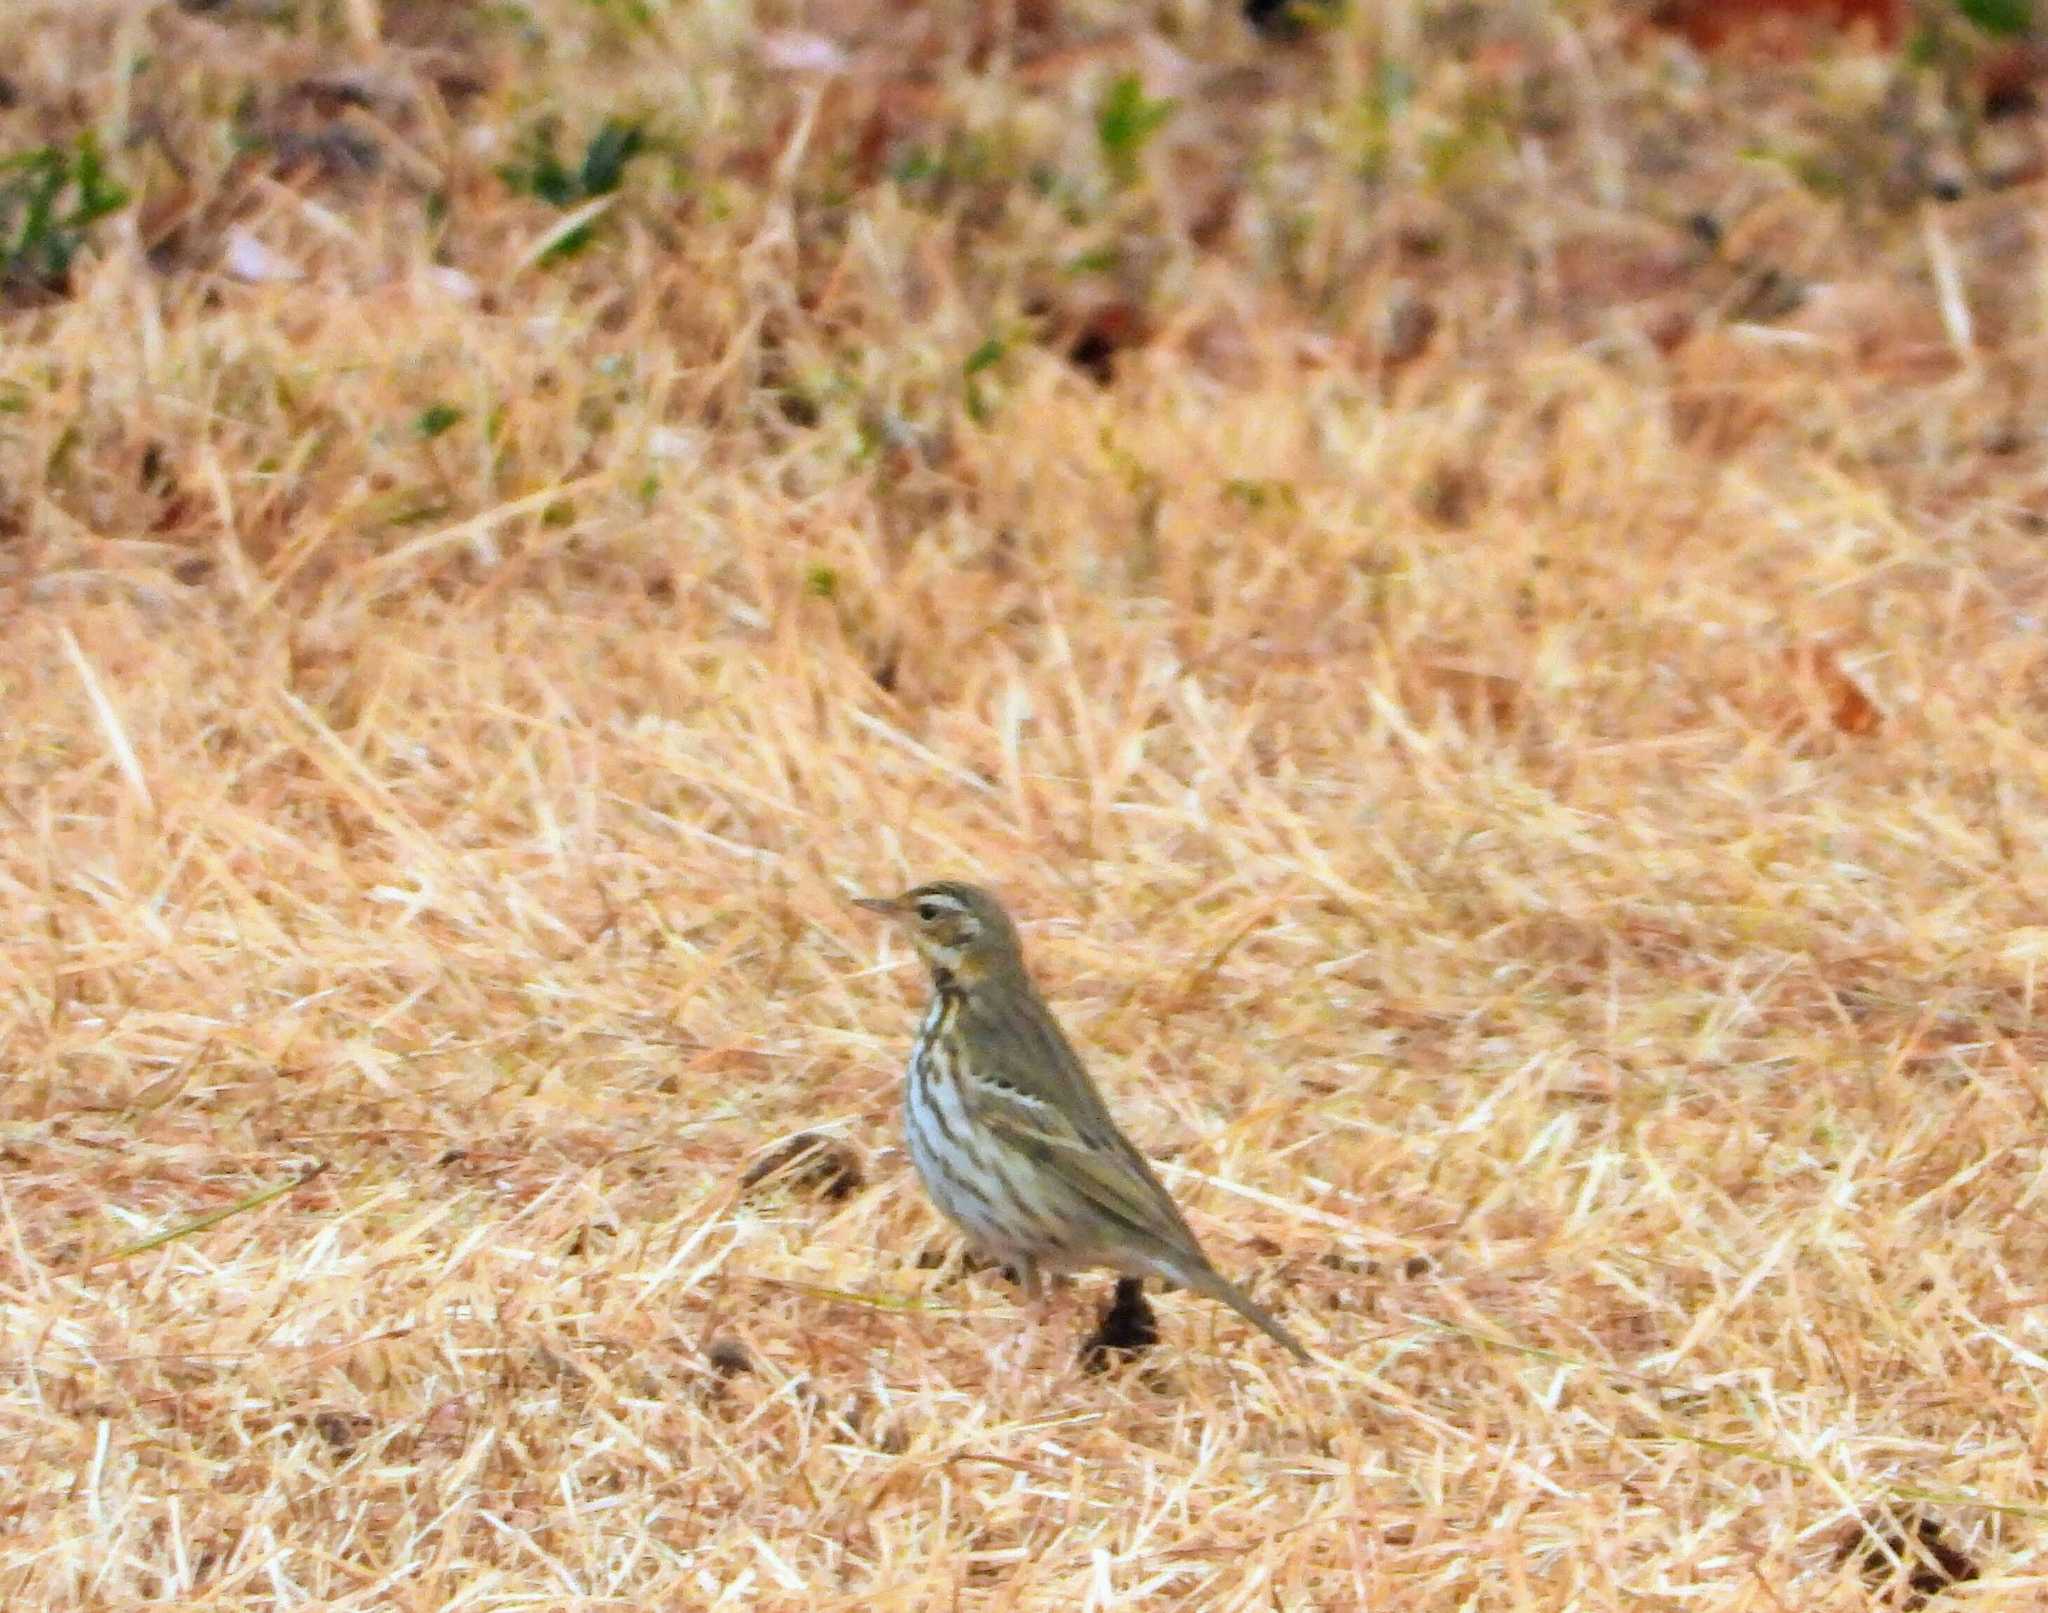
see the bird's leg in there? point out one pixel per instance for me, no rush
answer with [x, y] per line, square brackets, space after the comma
[1041, 1293]
[1030, 1280]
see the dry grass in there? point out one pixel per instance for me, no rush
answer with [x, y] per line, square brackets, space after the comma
[1518, 741]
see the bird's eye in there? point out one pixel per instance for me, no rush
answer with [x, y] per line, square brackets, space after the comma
[928, 911]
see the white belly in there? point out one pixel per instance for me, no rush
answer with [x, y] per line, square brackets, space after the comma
[956, 1174]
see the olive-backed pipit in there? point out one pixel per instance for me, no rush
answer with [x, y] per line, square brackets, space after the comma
[1007, 1131]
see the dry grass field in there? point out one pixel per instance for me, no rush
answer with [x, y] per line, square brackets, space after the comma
[1477, 579]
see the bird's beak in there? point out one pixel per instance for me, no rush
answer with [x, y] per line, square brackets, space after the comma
[889, 907]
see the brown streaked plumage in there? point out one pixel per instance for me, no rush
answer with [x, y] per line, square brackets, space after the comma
[1008, 1132]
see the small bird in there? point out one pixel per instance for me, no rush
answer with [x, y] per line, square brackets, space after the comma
[1010, 1136]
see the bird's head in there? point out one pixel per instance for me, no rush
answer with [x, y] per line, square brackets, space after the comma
[961, 931]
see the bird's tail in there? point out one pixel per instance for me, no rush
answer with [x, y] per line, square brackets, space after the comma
[1206, 1279]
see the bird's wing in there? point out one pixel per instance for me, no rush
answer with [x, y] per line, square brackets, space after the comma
[1020, 1048]
[1029, 1087]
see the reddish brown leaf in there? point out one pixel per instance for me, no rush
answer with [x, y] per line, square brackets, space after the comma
[1831, 694]
[1474, 694]
[1781, 27]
